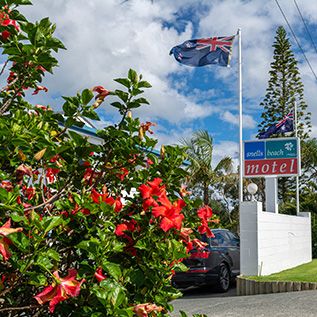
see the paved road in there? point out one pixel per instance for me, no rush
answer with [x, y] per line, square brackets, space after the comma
[295, 304]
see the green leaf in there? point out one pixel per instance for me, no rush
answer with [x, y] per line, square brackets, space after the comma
[123, 81]
[124, 96]
[37, 279]
[91, 114]
[117, 104]
[44, 261]
[142, 100]
[144, 84]
[18, 218]
[90, 246]
[113, 269]
[115, 293]
[78, 139]
[134, 104]
[50, 223]
[137, 277]
[53, 255]
[20, 240]
[86, 96]
[133, 76]
[128, 312]
[55, 44]
[69, 108]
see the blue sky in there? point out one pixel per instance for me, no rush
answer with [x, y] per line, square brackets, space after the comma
[106, 37]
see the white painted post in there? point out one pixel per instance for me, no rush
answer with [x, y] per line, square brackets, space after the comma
[249, 237]
[240, 121]
[271, 197]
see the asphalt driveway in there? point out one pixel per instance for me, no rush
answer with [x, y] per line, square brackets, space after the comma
[295, 304]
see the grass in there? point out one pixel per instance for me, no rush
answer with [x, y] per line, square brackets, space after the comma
[302, 273]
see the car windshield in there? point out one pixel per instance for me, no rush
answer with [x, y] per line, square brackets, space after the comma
[219, 239]
[211, 241]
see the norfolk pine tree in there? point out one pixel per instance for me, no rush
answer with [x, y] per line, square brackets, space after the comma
[284, 89]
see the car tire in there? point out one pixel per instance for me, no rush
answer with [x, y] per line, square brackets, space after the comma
[224, 276]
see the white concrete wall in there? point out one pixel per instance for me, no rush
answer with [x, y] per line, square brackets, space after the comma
[272, 242]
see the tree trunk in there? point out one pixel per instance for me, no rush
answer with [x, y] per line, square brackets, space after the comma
[206, 196]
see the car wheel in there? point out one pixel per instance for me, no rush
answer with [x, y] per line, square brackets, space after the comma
[223, 281]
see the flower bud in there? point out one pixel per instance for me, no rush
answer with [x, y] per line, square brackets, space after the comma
[141, 133]
[162, 152]
[39, 154]
[129, 114]
[98, 102]
[21, 155]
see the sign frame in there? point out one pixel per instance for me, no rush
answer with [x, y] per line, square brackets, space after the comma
[298, 157]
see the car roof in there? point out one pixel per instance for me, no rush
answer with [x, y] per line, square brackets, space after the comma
[219, 229]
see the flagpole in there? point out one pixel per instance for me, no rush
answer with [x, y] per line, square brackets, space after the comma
[297, 177]
[240, 121]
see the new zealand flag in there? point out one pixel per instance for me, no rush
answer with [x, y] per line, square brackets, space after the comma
[285, 125]
[201, 52]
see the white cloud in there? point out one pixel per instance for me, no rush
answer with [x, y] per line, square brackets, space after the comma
[106, 38]
[226, 148]
[248, 121]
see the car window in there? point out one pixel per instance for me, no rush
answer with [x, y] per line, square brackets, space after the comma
[220, 240]
[234, 239]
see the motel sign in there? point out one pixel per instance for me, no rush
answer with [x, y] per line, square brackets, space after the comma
[271, 157]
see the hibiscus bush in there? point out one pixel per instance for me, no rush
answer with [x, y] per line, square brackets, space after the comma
[85, 229]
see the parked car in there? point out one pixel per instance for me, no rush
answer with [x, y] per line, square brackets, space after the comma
[217, 264]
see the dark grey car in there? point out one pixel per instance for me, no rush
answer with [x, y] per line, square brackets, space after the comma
[217, 264]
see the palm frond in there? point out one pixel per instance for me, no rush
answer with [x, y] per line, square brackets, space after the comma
[226, 165]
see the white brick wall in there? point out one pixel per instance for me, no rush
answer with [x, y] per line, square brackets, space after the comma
[272, 242]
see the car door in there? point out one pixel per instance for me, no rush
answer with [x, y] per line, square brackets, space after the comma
[234, 251]
[219, 248]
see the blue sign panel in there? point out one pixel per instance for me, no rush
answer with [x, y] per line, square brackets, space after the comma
[254, 150]
[281, 148]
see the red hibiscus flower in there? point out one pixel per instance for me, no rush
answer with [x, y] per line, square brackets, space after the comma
[5, 230]
[146, 126]
[44, 108]
[97, 198]
[51, 174]
[153, 188]
[189, 246]
[24, 170]
[99, 275]
[204, 228]
[60, 290]
[123, 173]
[143, 310]
[28, 192]
[199, 244]
[38, 89]
[120, 229]
[204, 212]
[126, 226]
[90, 175]
[6, 185]
[150, 202]
[149, 162]
[183, 191]
[55, 158]
[11, 22]
[102, 92]
[41, 68]
[5, 35]
[170, 213]
[77, 209]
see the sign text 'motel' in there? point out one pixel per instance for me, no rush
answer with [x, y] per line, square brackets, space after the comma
[279, 157]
